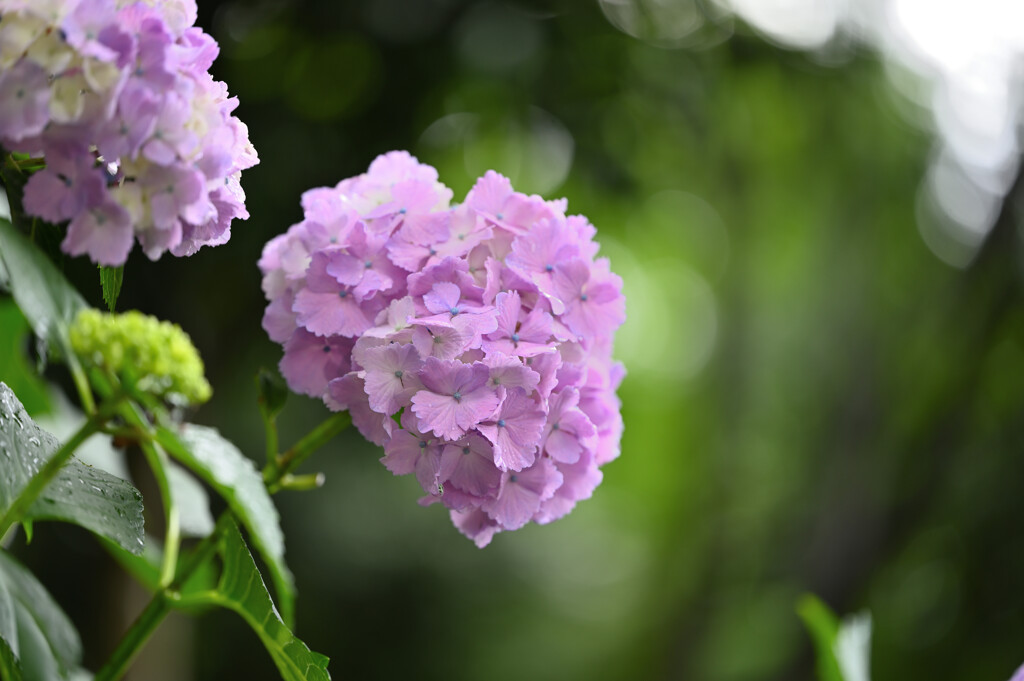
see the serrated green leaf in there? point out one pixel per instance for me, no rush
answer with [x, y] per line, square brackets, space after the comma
[273, 393]
[192, 501]
[79, 494]
[221, 465]
[18, 373]
[46, 643]
[111, 279]
[241, 589]
[10, 667]
[823, 627]
[45, 297]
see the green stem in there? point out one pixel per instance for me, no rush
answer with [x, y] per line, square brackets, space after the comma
[315, 439]
[160, 605]
[270, 428]
[163, 599]
[158, 463]
[138, 634]
[45, 476]
[82, 385]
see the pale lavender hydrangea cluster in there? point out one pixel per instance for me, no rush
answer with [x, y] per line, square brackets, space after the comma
[138, 138]
[473, 342]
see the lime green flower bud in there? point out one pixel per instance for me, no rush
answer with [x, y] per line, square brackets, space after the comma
[156, 357]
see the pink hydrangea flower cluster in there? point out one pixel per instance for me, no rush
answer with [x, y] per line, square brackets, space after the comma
[138, 138]
[473, 342]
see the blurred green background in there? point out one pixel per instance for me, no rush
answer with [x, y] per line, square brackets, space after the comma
[815, 400]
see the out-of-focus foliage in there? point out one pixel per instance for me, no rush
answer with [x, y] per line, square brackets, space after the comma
[815, 401]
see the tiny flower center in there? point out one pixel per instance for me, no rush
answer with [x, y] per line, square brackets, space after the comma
[398, 374]
[554, 427]
[500, 216]
[454, 311]
[501, 423]
[423, 444]
[401, 211]
[457, 396]
[549, 268]
[327, 348]
[432, 252]
[342, 294]
[512, 478]
[583, 297]
[515, 338]
[367, 264]
[465, 450]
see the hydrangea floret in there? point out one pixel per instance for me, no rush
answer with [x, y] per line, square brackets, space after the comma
[473, 342]
[138, 138]
[156, 357]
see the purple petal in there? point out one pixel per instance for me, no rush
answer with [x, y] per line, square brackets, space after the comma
[327, 314]
[476, 525]
[522, 493]
[104, 232]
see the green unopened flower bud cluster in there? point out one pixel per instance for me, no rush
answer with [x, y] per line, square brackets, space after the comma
[156, 357]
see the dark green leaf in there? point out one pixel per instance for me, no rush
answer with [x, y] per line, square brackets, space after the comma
[241, 589]
[15, 368]
[220, 464]
[45, 297]
[111, 279]
[45, 641]
[273, 392]
[80, 494]
[823, 627]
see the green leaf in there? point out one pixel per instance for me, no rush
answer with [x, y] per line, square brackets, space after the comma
[80, 494]
[144, 567]
[852, 647]
[15, 368]
[193, 503]
[221, 465]
[111, 279]
[45, 642]
[45, 297]
[241, 589]
[273, 392]
[823, 627]
[10, 667]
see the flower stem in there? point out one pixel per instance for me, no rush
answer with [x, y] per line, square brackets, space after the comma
[45, 476]
[158, 463]
[164, 598]
[300, 451]
[158, 608]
